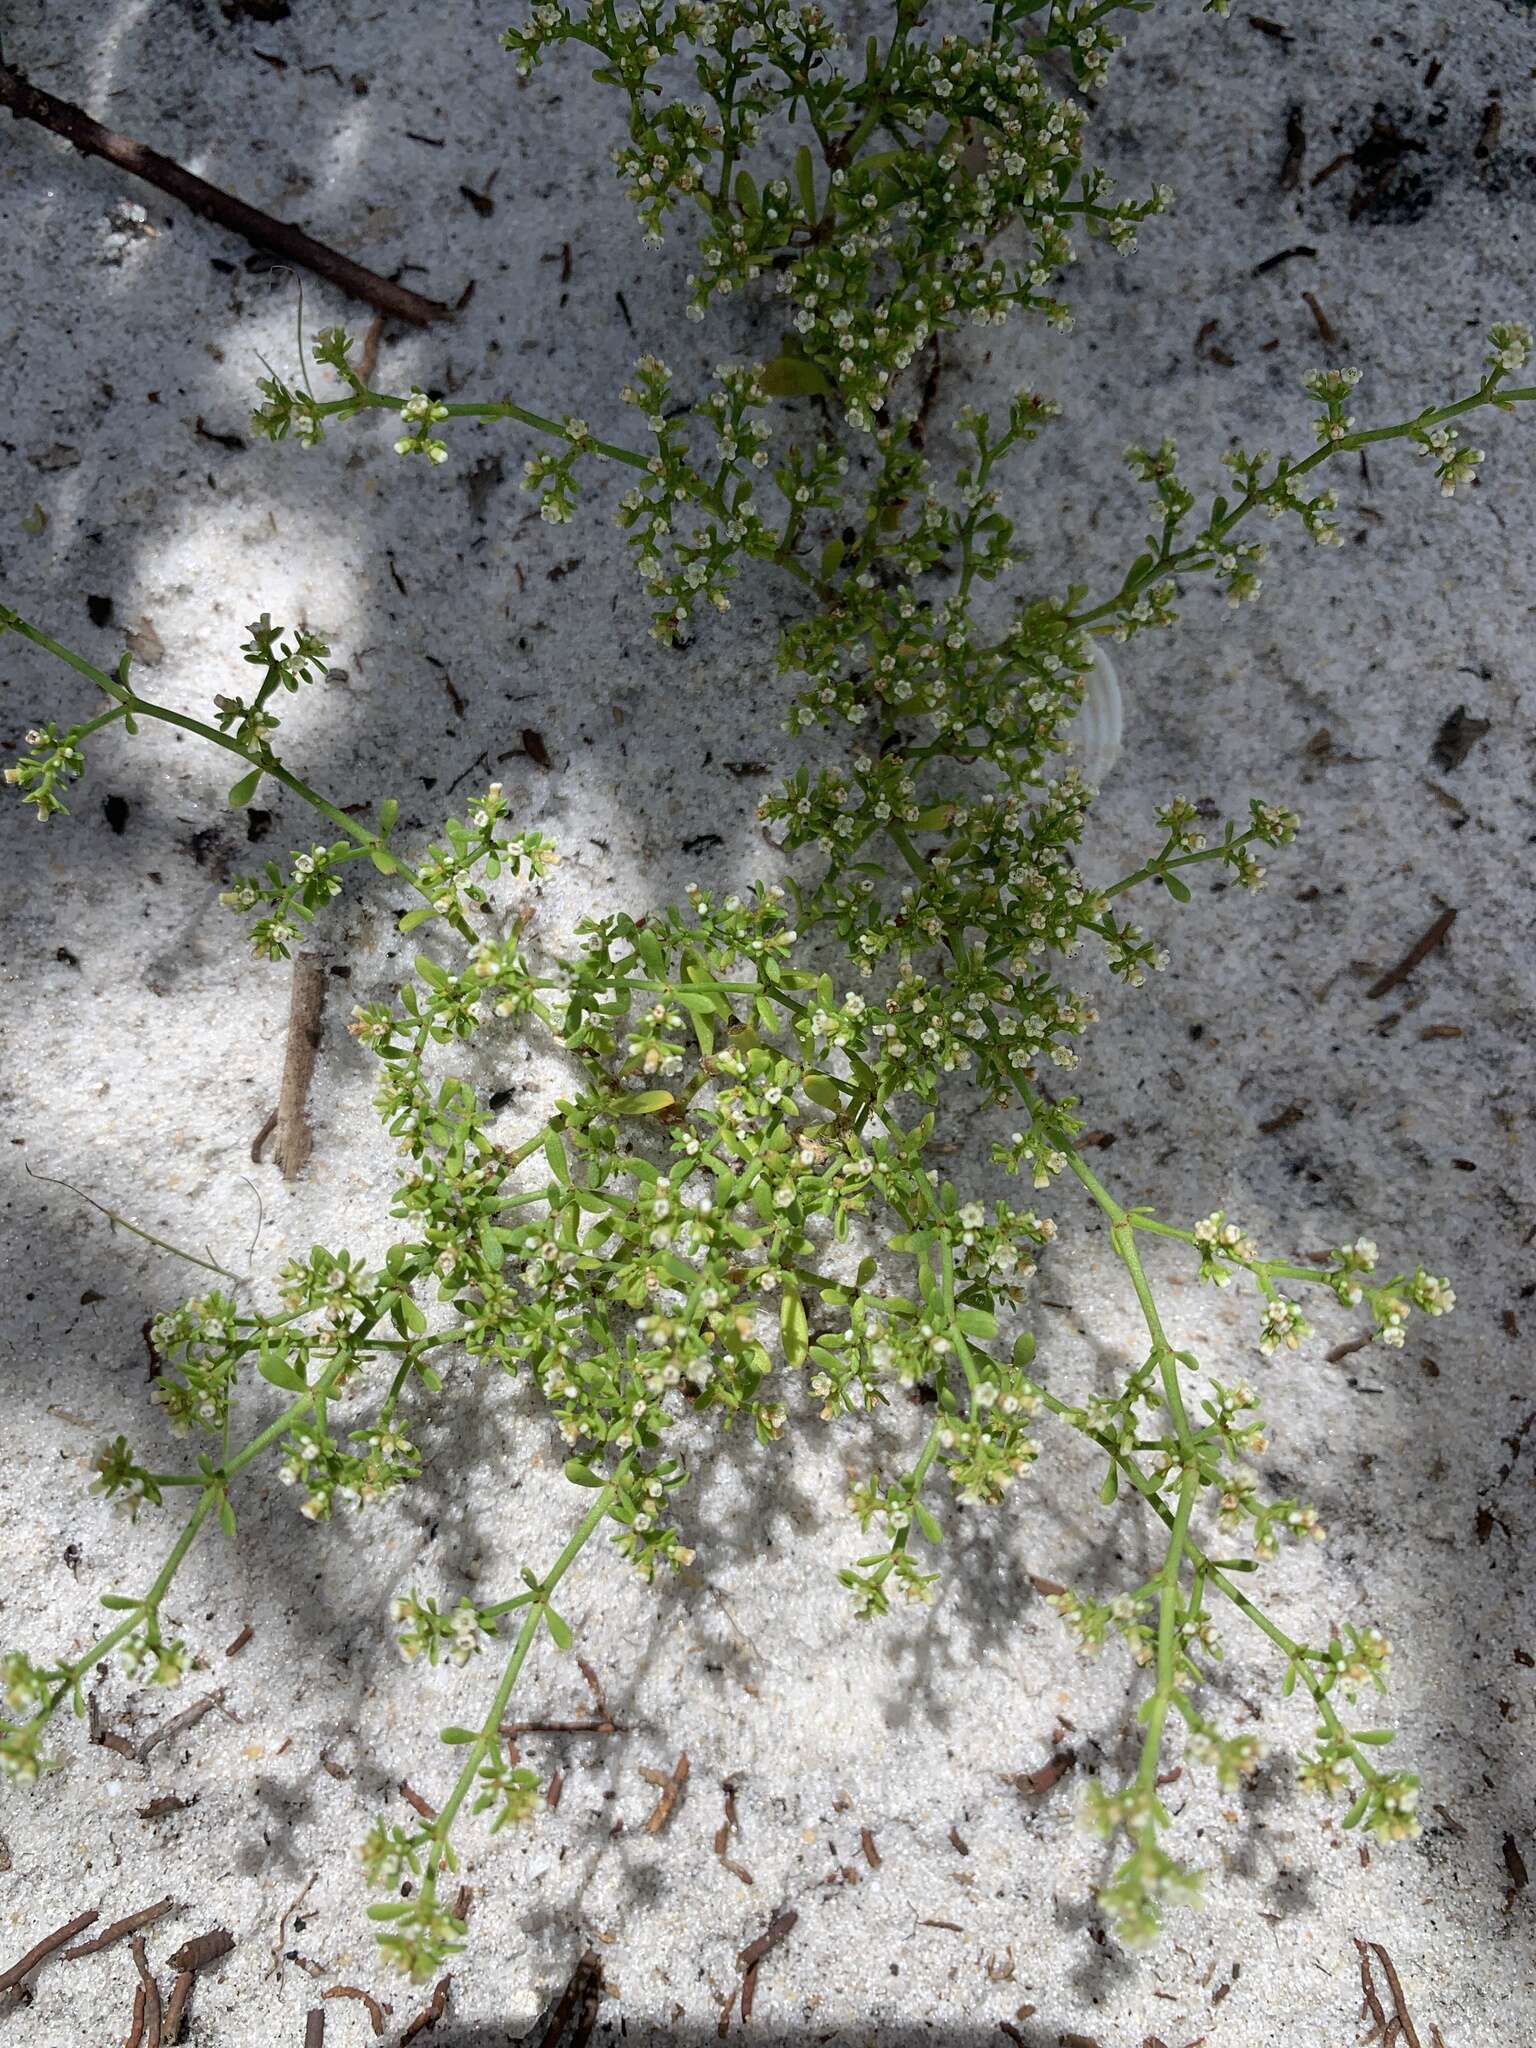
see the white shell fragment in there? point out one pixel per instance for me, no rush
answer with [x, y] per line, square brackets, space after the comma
[1094, 737]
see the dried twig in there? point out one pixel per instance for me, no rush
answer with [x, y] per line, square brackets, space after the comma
[306, 1007]
[578, 2001]
[30, 103]
[414, 1800]
[176, 2005]
[729, 1826]
[430, 2014]
[776, 1932]
[151, 1992]
[1404, 2021]
[23, 1969]
[1050, 1773]
[377, 2013]
[603, 1723]
[135, 2032]
[314, 2027]
[203, 1949]
[1420, 950]
[131, 1923]
[282, 1926]
[671, 1784]
[178, 1724]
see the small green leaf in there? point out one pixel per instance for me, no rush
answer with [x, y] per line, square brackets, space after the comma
[1111, 1487]
[1177, 889]
[1376, 1736]
[647, 1102]
[281, 1375]
[926, 1523]
[554, 1152]
[794, 377]
[805, 180]
[582, 1475]
[242, 792]
[1024, 1351]
[458, 1735]
[384, 862]
[389, 810]
[977, 1322]
[823, 1091]
[559, 1628]
[227, 1517]
[118, 1602]
[793, 1328]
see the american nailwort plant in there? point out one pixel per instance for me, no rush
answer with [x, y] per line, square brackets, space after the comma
[734, 1209]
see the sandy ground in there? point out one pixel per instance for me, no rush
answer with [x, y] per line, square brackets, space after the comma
[143, 1047]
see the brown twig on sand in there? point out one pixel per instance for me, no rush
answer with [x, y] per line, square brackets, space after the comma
[670, 1784]
[306, 1007]
[203, 1949]
[1419, 950]
[29, 102]
[178, 1724]
[430, 2013]
[377, 2013]
[176, 2006]
[602, 1724]
[578, 2002]
[131, 1923]
[21, 1970]
[151, 1993]
[289, 1910]
[777, 1931]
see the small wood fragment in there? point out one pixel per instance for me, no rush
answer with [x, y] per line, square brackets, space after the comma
[306, 1009]
[282, 1926]
[671, 1784]
[1295, 151]
[29, 102]
[1050, 1773]
[151, 1992]
[178, 1724]
[23, 1968]
[240, 1641]
[1417, 952]
[131, 1923]
[872, 1855]
[1327, 334]
[176, 2006]
[776, 1932]
[314, 2027]
[377, 2013]
[578, 2002]
[168, 1802]
[414, 1800]
[430, 2013]
[773, 1936]
[135, 2034]
[202, 1950]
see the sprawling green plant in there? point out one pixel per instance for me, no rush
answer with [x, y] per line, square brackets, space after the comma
[735, 1206]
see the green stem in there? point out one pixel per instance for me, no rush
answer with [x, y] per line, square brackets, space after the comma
[532, 1621]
